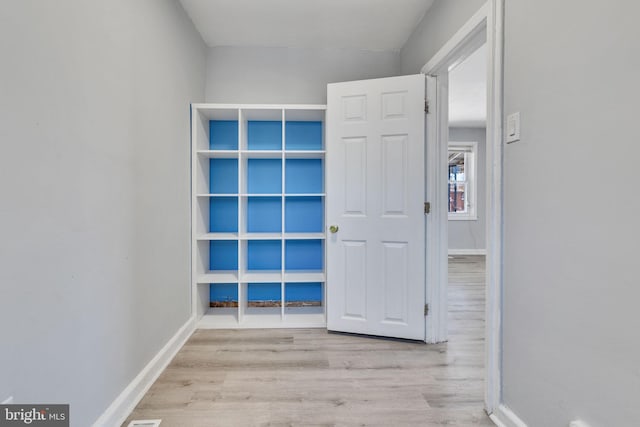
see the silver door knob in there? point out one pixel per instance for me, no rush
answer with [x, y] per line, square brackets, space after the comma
[334, 228]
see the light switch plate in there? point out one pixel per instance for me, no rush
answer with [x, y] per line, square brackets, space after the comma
[512, 132]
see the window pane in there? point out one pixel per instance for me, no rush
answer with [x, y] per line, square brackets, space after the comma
[457, 198]
[457, 166]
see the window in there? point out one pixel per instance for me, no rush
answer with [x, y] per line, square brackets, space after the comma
[462, 180]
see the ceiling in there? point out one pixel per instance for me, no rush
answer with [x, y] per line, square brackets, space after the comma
[359, 24]
[468, 91]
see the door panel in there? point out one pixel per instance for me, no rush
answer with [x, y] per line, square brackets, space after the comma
[375, 190]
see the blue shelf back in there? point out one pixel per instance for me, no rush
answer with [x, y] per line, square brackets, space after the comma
[264, 215]
[223, 215]
[264, 135]
[303, 215]
[264, 176]
[304, 255]
[264, 292]
[303, 292]
[303, 135]
[223, 176]
[223, 292]
[223, 255]
[303, 176]
[223, 134]
[264, 255]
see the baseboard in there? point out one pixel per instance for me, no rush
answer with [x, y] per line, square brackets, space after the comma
[467, 251]
[504, 417]
[122, 406]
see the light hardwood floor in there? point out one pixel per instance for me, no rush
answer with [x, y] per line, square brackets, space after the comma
[309, 377]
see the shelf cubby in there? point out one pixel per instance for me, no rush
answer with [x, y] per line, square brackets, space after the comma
[304, 255]
[264, 295]
[263, 255]
[223, 255]
[223, 134]
[223, 176]
[264, 214]
[223, 215]
[223, 295]
[304, 298]
[264, 135]
[304, 214]
[264, 176]
[303, 135]
[303, 176]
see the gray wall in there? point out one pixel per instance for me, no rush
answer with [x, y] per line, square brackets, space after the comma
[471, 234]
[441, 22]
[571, 231]
[94, 177]
[571, 289]
[285, 75]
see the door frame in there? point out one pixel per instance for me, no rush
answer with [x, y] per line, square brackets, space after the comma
[486, 24]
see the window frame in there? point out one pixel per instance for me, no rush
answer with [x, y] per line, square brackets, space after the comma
[471, 179]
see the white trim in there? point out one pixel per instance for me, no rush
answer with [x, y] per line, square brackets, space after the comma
[504, 417]
[437, 235]
[465, 38]
[145, 423]
[467, 251]
[486, 24]
[460, 217]
[494, 230]
[124, 404]
[8, 401]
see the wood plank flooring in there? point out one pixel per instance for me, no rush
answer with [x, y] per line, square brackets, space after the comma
[308, 377]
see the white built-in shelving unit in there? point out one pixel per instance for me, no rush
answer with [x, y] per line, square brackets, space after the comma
[258, 225]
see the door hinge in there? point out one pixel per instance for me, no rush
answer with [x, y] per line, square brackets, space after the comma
[426, 106]
[427, 207]
[426, 309]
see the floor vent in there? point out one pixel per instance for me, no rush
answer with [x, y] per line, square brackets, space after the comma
[145, 423]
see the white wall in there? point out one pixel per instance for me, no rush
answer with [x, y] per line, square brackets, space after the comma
[571, 288]
[442, 20]
[289, 76]
[94, 178]
[571, 231]
[470, 235]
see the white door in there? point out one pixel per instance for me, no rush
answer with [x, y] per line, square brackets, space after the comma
[375, 207]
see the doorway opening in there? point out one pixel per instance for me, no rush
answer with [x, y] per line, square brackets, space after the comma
[466, 213]
[485, 27]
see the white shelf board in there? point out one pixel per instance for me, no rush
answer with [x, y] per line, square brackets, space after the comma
[304, 276]
[261, 195]
[304, 316]
[216, 111]
[222, 276]
[219, 154]
[267, 321]
[261, 276]
[219, 318]
[262, 154]
[305, 114]
[217, 195]
[304, 236]
[218, 236]
[261, 236]
[217, 106]
[304, 154]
